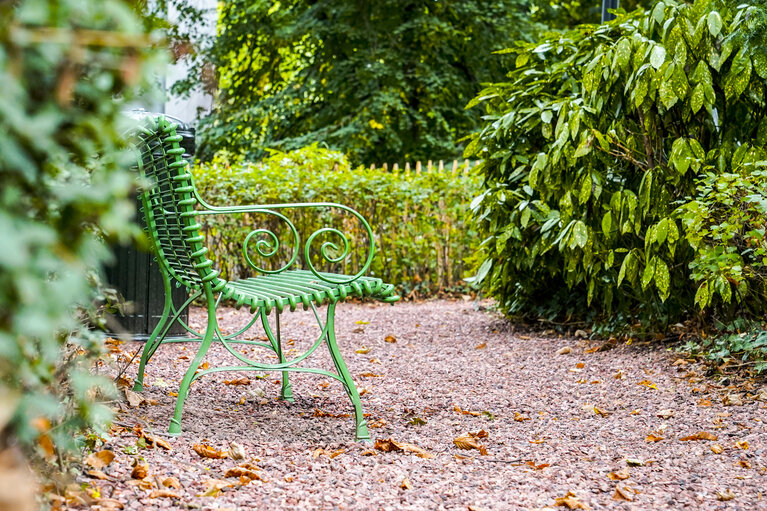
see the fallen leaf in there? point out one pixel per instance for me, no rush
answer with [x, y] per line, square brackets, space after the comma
[368, 452]
[98, 474]
[742, 444]
[634, 462]
[171, 482]
[213, 487]
[601, 412]
[134, 399]
[392, 446]
[725, 495]
[206, 451]
[236, 451]
[732, 400]
[100, 459]
[164, 494]
[704, 402]
[406, 484]
[648, 384]
[744, 464]
[390, 338]
[378, 423]
[481, 346]
[620, 475]
[520, 418]
[140, 470]
[237, 381]
[363, 350]
[370, 375]
[374, 361]
[457, 409]
[361, 322]
[619, 375]
[718, 449]
[665, 414]
[580, 365]
[570, 501]
[358, 330]
[244, 470]
[652, 437]
[416, 421]
[532, 465]
[564, 351]
[537, 441]
[622, 494]
[700, 435]
[108, 504]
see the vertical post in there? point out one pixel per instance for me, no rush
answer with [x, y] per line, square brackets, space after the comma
[608, 5]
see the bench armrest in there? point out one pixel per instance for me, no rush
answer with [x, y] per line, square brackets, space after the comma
[269, 247]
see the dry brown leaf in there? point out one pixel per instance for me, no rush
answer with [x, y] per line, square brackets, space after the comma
[374, 361]
[241, 472]
[665, 414]
[652, 437]
[323, 413]
[532, 465]
[134, 399]
[140, 470]
[108, 504]
[481, 346]
[370, 375]
[213, 487]
[390, 338]
[457, 409]
[164, 494]
[537, 441]
[570, 501]
[700, 435]
[369, 452]
[704, 402]
[619, 375]
[236, 451]
[406, 484]
[620, 475]
[100, 459]
[744, 464]
[520, 418]
[725, 495]
[601, 412]
[171, 482]
[390, 445]
[378, 423]
[564, 351]
[732, 400]
[718, 449]
[206, 451]
[466, 441]
[237, 381]
[622, 494]
[98, 474]
[152, 440]
[742, 444]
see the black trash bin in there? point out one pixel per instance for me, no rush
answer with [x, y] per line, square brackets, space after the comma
[135, 273]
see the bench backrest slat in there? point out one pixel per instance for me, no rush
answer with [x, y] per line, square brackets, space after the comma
[168, 204]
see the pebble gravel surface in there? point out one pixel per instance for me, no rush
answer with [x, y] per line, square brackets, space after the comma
[551, 423]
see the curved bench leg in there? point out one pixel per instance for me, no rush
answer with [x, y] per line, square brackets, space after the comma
[361, 433]
[286, 392]
[183, 389]
[156, 338]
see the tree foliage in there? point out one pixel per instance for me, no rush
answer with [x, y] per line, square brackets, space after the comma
[379, 80]
[623, 167]
[64, 185]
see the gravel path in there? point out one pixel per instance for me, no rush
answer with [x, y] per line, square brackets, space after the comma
[563, 422]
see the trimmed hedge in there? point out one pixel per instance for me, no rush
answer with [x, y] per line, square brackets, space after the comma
[419, 220]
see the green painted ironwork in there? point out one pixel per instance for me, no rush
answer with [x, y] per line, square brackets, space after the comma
[170, 204]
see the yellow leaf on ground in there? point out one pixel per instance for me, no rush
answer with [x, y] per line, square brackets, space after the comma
[620, 475]
[363, 350]
[622, 494]
[100, 459]
[648, 384]
[164, 494]
[652, 437]
[98, 474]
[406, 484]
[171, 482]
[700, 435]
[520, 418]
[481, 346]
[390, 338]
[206, 451]
[570, 501]
[718, 449]
[742, 444]
[564, 351]
[457, 409]
[725, 495]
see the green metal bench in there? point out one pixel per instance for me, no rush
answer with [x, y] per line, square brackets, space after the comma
[171, 204]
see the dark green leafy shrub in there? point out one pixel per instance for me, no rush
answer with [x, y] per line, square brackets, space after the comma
[601, 151]
[64, 186]
[419, 220]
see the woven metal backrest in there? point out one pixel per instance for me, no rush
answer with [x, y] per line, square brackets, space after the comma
[168, 204]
